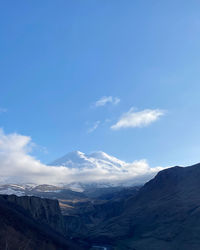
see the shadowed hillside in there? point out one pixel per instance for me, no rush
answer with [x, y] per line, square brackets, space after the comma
[22, 225]
[165, 214]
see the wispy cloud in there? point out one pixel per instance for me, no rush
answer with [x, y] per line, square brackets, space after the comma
[18, 166]
[107, 99]
[132, 119]
[94, 127]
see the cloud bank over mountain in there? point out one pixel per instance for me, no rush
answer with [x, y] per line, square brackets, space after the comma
[17, 165]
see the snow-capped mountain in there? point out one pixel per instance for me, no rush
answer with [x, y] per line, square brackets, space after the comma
[44, 190]
[99, 168]
[97, 159]
[83, 172]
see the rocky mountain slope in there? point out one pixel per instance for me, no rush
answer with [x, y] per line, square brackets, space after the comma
[45, 211]
[165, 214]
[32, 223]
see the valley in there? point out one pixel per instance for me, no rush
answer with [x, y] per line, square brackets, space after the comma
[162, 214]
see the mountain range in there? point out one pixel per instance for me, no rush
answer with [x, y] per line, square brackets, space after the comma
[95, 163]
[163, 213]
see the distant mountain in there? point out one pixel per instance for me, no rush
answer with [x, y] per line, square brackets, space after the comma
[99, 169]
[69, 196]
[44, 191]
[98, 161]
[80, 160]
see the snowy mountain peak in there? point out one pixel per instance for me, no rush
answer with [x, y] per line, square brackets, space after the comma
[70, 160]
[99, 159]
[99, 154]
[77, 152]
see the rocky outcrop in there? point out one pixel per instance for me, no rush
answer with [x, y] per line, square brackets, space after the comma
[45, 211]
[20, 230]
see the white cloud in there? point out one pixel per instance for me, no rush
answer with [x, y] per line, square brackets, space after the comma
[133, 119]
[94, 127]
[18, 166]
[107, 99]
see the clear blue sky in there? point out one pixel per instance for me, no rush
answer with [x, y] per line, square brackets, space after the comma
[59, 57]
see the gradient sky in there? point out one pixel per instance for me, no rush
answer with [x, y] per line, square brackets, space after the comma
[58, 58]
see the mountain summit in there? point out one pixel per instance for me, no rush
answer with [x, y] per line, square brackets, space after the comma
[77, 159]
[99, 167]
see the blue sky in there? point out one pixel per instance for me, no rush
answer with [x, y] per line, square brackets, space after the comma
[58, 58]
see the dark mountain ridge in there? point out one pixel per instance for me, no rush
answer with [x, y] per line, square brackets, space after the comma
[165, 214]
